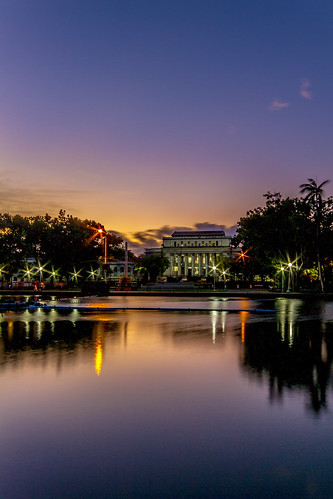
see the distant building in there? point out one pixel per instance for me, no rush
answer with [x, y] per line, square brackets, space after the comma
[116, 269]
[194, 253]
[153, 251]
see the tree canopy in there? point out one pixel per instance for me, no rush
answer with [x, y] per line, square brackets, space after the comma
[62, 242]
[285, 232]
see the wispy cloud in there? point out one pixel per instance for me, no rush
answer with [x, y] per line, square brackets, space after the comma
[28, 200]
[277, 105]
[304, 90]
[153, 237]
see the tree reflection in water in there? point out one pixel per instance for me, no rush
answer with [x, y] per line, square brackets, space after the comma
[64, 338]
[294, 356]
[293, 352]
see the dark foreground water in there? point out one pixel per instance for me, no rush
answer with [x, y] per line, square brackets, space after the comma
[168, 404]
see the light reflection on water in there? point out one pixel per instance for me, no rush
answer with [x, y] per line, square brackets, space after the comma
[167, 404]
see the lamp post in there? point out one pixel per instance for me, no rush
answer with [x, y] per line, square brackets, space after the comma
[224, 278]
[282, 278]
[214, 270]
[103, 231]
[289, 276]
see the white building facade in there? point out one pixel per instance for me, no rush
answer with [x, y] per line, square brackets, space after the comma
[194, 253]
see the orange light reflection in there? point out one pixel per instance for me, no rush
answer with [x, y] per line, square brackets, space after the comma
[98, 356]
[243, 318]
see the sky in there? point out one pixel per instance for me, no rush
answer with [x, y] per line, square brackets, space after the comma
[153, 115]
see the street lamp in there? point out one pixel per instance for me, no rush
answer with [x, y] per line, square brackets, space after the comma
[282, 277]
[103, 231]
[289, 276]
[224, 278]
[214, 270]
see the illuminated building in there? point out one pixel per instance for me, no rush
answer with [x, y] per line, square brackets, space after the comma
[194, 253]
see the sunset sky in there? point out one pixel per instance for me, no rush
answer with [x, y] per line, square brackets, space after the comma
[149, 115]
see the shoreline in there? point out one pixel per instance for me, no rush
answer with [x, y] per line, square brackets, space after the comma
[239, 293]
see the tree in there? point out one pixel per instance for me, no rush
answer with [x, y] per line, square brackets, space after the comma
[313, 196]
[62, 242]
[13, 241]
[155, 265]
[279, 231]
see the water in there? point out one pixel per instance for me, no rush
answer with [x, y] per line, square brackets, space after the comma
[167, 404]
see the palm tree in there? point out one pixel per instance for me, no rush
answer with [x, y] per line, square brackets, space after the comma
[314, 194]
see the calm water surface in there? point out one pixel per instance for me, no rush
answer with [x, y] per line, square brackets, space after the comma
[168, 404]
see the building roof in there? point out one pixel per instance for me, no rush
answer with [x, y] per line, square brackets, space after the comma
[198, 233]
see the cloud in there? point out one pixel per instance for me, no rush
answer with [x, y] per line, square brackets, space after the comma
[151, 238]
[28, 200]
[304, 92]
[277, 105]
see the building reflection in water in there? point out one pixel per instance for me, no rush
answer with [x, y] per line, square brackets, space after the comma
[214, 318]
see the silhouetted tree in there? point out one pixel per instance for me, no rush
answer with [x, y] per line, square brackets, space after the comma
[313, 196]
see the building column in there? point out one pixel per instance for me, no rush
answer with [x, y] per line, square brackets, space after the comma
[172, 260]
[200, 263]
[186, 264]
[179, 265]
[193, 264]
[206, 264]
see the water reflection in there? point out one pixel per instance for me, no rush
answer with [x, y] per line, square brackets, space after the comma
[214, 317]
[98, 355]
[160, 403]
[22, 341]
[292, 357]
[290, 351]
[243, 318]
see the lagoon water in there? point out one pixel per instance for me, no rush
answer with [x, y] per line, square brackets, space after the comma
[225, 402]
